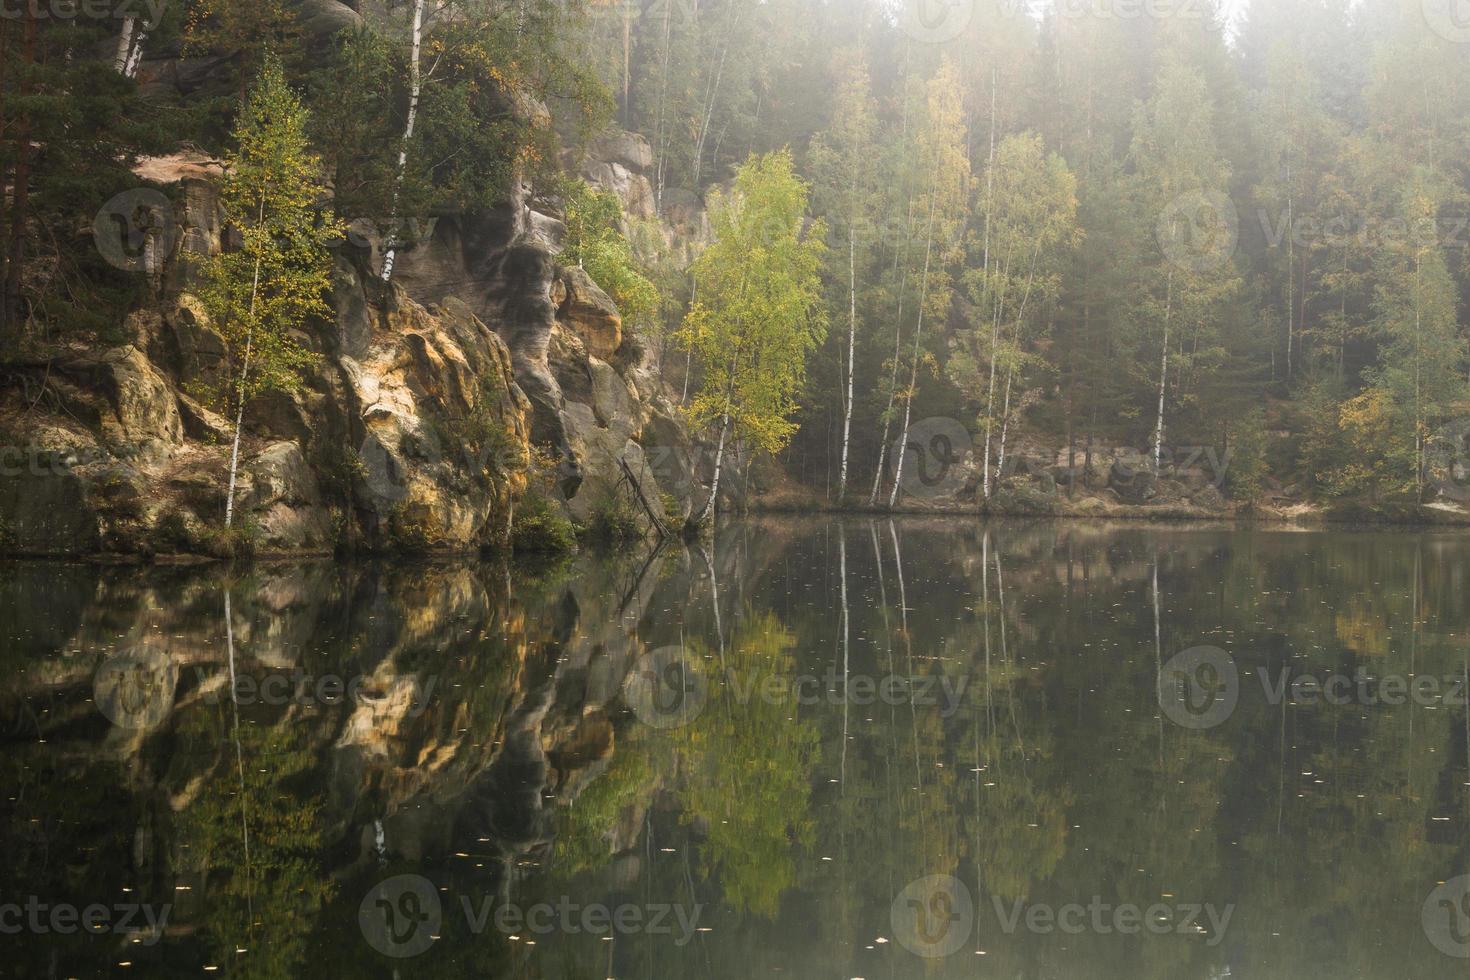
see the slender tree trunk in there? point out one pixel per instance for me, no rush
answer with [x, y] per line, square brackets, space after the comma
[997, 312]
[627, 60]
[985, 270]
[240, 408]
[689, 354]
[1071, 452]
[709, 507]
[1418, 404]
[892, 393]
[137, 53]
[1290, 276]
[990, 403]
[901, 272]
[660, 129]
[709, 110]
[415, 89]
[1163, 373]
[851, 351]
[1005, 427]
[908, 402]
[136, 58]
[124, 46]
[1342, 317]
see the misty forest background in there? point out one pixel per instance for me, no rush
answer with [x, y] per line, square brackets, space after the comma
[1104, 224]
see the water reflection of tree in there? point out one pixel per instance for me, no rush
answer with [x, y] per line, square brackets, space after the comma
[749, 763]
[252, 835]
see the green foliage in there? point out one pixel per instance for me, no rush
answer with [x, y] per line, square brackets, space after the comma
[262, 294]
[78, 126]
[612, 522]
[539, 527]
[228, 543]
[582, 844]
[355, 125]
[759, 313]
[1246, 469]
[595, 242]
[755, 763]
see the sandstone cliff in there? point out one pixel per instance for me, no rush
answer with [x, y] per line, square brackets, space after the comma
[430, 403]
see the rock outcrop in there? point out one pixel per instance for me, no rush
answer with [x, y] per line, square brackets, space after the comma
[416, 428]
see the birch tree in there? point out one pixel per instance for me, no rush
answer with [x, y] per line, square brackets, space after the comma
[843, 159]
[944, 204]
[261, 295]
[759, 313]
[1182, 183]
[415, 90]
[1030, 228]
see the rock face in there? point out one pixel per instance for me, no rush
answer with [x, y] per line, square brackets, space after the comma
[583, 308]
[414, 430]
[591, 387]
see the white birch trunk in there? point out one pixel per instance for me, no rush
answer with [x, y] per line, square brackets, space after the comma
[851, 350]
[124, 46]
[415, 88]
[136, 58]
[985, 270]
[244, 377]
[908, 402]
[1163, 374]
[1005, 427]
[719, 462]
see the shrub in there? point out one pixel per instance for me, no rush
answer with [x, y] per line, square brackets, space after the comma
[539, 527]
[612, 522]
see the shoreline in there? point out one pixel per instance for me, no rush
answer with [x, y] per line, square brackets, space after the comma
[1304, 518]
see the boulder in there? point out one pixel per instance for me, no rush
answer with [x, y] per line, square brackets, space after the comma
[583, 308]
[439, 418]
[323, 18]
[1134, 484]
[620, 147]
[613, 403]
[284, 500]
[131, 402]
[1208, 497]
[598, 451]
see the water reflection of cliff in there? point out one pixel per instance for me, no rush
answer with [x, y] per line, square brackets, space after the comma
[487, 745]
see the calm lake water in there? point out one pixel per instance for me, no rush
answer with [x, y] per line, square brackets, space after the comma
[818, 748]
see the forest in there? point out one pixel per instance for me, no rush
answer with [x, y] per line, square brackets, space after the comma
[1154, 225]
[1065, 237]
